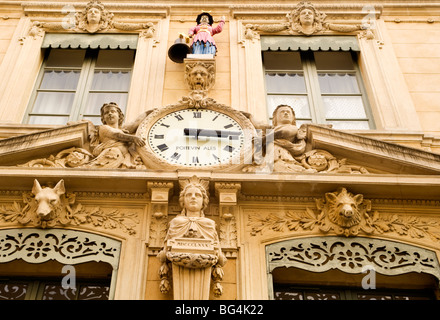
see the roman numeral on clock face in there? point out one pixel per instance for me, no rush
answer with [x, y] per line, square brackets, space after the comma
[162, 147]
[197, 115]
[175, 156]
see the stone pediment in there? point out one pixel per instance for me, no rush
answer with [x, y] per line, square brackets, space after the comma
[21, 149]
[365, 154]
[375, 155]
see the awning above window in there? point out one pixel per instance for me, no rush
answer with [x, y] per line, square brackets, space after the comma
[93, 41]
[314, 43]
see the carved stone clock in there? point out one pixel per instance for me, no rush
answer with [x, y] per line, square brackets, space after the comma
[212, 137]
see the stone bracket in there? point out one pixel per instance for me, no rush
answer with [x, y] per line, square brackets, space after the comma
[160, 194]
[227, 193]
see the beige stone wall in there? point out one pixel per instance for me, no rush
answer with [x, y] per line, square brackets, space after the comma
[9, 17]
[417, 47]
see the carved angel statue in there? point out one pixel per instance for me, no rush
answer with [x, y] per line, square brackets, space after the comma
[288, 144]
[192, 223]
[113, 146]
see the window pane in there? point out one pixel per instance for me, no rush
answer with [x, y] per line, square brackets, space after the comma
[338, 83]
[13, 291]
[350, 125]
[282, 60]
[57, 292]
[91, 292]
[60, 80]
[107, 80]
[115, 59]
[48, 120]
[53, 102]
[96, 100]
[285, 83]
[344, 107]
[96, 120]
[299, 104]
[331, 60]
[65, 58]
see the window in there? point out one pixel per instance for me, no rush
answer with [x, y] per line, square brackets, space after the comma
[36, 289]
[322, 87]
[299, 284]
[340, 293]
[74, 83]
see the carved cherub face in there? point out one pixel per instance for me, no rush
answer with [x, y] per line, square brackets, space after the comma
[93, 15]
[306, 17]
[112, 115]
[284, 115]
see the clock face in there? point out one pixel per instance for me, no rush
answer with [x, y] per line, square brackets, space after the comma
[196, 138]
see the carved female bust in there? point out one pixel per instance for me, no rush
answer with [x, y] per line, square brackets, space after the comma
[306, 19]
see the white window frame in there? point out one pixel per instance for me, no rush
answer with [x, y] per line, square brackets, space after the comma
[83, 89]
[313, 91]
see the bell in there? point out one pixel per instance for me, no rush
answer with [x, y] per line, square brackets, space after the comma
[178, 51]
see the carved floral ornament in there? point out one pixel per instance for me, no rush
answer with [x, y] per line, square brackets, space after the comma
[306, 19]
[92, 19]
[48, 207]
[319, 254]
[344, 213]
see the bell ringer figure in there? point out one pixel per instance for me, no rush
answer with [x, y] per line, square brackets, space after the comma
[202, 34]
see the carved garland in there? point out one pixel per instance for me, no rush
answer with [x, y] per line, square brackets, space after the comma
[351, 255]
[67, 212]
[333, 217]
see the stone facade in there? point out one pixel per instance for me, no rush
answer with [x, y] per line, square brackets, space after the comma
[311, 189]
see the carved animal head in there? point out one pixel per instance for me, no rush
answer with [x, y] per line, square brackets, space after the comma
[49, 202]
[199, 76]
[344, 208]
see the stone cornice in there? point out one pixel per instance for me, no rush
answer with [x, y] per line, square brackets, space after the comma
[399, 186]
[402, 158]
[35, 9]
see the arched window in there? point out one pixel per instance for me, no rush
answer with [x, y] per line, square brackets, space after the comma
[57, 264]
[335, 268]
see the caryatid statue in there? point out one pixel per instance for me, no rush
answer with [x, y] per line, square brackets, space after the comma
[192, 242]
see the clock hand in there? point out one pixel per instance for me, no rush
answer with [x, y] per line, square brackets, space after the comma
[211, 133]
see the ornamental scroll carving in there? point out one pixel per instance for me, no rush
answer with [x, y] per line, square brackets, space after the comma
[345, 214]
[68, 247]
[305, 19]
[47, 207]
[92, 19]
[351, 255]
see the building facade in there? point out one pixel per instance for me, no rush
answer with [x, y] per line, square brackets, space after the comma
[294, 154]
